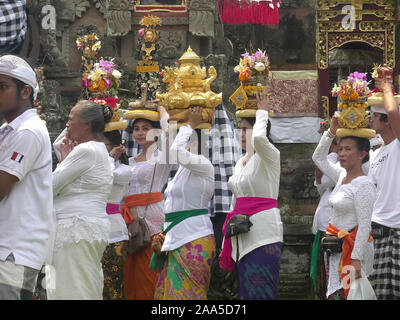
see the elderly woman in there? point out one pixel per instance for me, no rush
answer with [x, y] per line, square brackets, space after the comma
[189, 244]
[255, 186]
[82, 183]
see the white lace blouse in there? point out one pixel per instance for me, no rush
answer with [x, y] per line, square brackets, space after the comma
[352, 205]
[82, 183]
[142, 173]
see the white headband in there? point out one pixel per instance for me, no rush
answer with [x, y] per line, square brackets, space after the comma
[377, 141]
[375, 109]
[379, 109]
[18, 68]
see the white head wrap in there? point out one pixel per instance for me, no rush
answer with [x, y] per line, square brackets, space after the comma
[18, 68]
[378, 109]
[377, 141]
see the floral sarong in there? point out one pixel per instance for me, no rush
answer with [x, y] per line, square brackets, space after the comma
[186, 273]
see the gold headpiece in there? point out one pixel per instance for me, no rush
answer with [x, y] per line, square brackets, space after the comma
[188, 86]
[353, 116]
[253, 73]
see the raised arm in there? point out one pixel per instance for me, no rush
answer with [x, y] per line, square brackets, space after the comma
[320, 156]
[260, 142]
[390, 105]
[196, 163]
[163, 156]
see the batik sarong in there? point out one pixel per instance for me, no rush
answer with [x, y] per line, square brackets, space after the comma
[186, 272]
[113, 270]
[259, 273]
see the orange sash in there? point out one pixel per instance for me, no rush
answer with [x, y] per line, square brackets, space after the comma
[347, 248]
[141, 199]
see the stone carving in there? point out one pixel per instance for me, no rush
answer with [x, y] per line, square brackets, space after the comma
[219, 61]
[172, 44]
[201, 18]
[119, 17]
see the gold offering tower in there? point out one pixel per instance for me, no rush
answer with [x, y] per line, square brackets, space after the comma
[188, 85]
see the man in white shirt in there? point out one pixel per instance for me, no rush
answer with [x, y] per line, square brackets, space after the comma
[26, 196]
[385, 172]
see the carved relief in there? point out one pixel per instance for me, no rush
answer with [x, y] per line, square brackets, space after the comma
[380, 34]
[172, 44]
[327, 4]
[154, 5]
[201, 18]
[119, 17]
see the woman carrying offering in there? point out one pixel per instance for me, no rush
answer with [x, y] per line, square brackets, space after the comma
[255, 186]
[150, 170]
[352, 201]
[189, 244]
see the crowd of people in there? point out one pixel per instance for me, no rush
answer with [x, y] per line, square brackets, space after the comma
[81, 219]
[357, 178]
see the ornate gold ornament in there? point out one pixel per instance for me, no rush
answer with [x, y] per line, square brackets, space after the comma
[376, 33]
[353, 116]
[327, 4]
[150, 35]
[188, 85]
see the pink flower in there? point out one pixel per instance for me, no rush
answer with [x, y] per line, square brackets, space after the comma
[245, 55]
[107, 66]
[108, 83]
[195, 252]
[86, 83]
[141, 32]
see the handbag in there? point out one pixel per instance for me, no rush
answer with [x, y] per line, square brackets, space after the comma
[239, 223]
[140, 239]
[331, 244]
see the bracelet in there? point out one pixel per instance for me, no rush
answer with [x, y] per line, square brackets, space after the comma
[330, 134]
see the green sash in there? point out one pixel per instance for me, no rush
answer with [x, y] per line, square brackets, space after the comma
[157, 261]
[314, 258]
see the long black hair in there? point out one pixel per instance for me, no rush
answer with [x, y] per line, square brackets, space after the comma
[115, 138]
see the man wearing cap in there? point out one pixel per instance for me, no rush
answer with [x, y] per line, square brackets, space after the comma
[385, 172]
[26, 196]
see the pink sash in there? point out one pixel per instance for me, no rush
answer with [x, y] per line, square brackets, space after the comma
[112, 208]
[248, 206]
